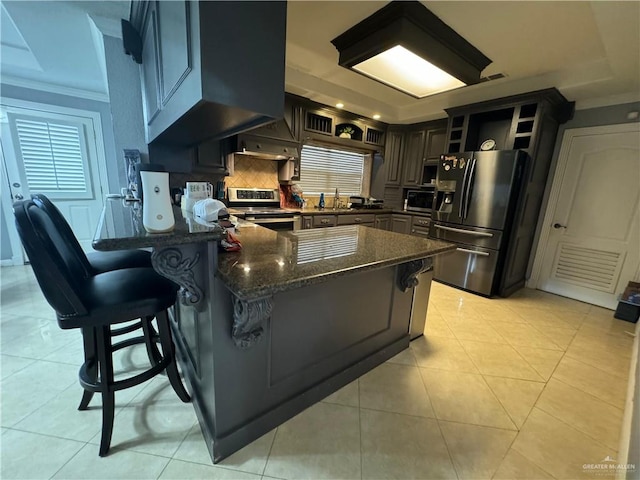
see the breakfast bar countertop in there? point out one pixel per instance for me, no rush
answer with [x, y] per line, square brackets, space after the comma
[121, 228]
[271, 261]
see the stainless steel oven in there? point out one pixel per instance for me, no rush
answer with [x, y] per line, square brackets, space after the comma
[262, 207]
[421, 200]
[286, 223]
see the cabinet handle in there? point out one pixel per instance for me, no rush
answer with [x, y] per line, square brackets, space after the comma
[422, 222]
[358, 219]
[324, 221]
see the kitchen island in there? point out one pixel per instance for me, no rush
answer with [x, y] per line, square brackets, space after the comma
[268, 331]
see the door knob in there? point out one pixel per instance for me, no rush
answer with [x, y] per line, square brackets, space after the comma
[557, 225]
[17, 196]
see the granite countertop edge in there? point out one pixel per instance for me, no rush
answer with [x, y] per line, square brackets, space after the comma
[267, 291]
[158, 240]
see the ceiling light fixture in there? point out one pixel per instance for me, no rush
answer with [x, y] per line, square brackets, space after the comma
[405, 46]
[376, 117]
[339, 105]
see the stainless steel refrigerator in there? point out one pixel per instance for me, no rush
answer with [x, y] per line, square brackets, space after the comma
[478, 194]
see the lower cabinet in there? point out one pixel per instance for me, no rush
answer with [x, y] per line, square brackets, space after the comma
[307, 222]
[416, 225]
[420, 226]
[383, 222]
[366, 219]
[324, 221]
[401, 223]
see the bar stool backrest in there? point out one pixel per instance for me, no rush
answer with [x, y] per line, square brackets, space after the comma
[63, 227]
[56, 264]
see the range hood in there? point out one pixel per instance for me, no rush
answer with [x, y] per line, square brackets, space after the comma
[273, 141]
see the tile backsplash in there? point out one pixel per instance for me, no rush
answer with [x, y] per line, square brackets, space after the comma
[253, 172]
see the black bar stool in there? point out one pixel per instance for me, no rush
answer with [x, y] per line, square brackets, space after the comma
[94, 262]
[93, 302]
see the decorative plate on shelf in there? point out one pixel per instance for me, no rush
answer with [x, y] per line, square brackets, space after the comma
[489, 144]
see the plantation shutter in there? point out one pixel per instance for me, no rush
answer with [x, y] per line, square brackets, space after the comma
[324, 169]
[53, 156]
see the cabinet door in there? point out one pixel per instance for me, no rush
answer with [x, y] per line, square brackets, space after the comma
[307, 222]
[435, 143]
[383, 222]
[413, 158]
[324, 221]
[175, 46]
[401, 223]
[420, 226]
[211, 158]
[393, 158]
[150, 74]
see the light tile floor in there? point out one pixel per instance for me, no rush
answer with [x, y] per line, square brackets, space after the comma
[532, 386]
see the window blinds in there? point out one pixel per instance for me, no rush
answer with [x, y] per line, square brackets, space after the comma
[322, 170]
[52, 155]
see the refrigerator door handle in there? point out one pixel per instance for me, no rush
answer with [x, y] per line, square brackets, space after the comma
[468, 232]
[482, 254]
[467, 193]
[463, 190]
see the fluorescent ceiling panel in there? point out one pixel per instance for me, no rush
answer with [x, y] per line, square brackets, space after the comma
[402, 69]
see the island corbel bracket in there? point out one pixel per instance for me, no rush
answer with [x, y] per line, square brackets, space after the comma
[409, 272]
[249, 319]
[170, 263]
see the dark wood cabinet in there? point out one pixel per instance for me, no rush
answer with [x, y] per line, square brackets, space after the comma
[393, 157]
[383, 222]
[199, 68]
[311, 121]
[401, 223]
[514, 123]
[414, 157]
[211, 157]
[307, 222]
[420, 226]
[408, 151]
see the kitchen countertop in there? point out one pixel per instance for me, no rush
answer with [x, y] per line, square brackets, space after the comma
[272, 262]
[120, 228]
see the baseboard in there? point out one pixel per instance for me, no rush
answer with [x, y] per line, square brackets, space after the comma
[6, 263]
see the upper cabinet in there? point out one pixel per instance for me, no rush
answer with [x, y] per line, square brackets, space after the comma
[210, 69]
[515, 122]
[393, 152]
[410, 149]
[313, 121]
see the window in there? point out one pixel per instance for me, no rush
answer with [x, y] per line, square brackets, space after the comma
[322, 170]
[53, 154]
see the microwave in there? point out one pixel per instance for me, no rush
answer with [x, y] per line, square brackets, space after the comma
[421, 200]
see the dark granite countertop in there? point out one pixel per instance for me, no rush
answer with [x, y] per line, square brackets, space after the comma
[121, 228]
[272, 262]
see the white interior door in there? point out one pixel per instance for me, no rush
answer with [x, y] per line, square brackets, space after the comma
[53, 151]
[592, 226]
